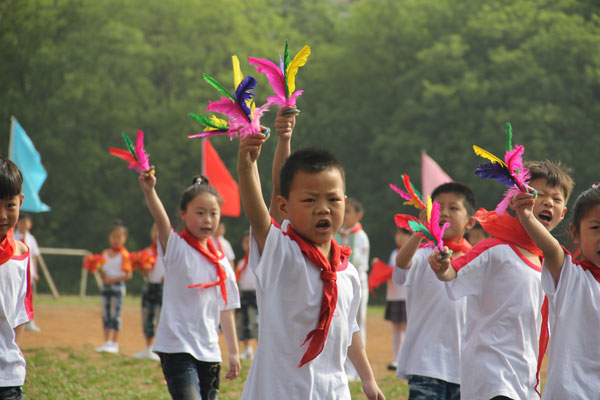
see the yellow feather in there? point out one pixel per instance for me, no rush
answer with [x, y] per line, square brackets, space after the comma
[218, 121]
[237, 72]
[296, 63]
[252, 108]
[429, 206]
[486, 154]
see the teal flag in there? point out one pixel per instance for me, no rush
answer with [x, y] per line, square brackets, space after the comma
[23, 153]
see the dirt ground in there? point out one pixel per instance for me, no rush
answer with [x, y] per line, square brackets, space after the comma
[77, 325]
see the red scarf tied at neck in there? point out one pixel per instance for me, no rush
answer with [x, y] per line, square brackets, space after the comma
[7, 247]
[458, 247]
[212, 254]
[339, 256]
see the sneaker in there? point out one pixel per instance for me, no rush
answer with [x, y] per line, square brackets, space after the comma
[392, 366]
[103, 347]
[32, 327]
[142, 355]
[153, 356]
[108, 347]
[248, 353]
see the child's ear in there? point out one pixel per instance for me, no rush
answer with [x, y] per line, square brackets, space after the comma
[359, 215]
[470, 223]
[181, 214]
[564, 212]
[21, 197]
[282, 206]
[574, 234]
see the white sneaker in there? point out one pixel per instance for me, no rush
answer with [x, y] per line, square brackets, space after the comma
[103, 348]
[108, 347]
[32, 327]
[142, 355]
[153, 356]
[248, 353]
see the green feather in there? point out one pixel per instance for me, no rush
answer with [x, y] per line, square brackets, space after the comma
[417, 226]
[416, 191]
[130, 146]
[508, 137]
[202, 119]
[217, 86]
[286, 62]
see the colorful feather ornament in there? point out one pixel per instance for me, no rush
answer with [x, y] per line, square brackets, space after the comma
[244, 117]
[135, 154]
[429, 230]
[282, 78]
[412, 195]
[509, 172]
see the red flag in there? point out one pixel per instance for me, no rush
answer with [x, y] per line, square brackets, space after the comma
[432, 175]
[380, 273]
[220, 178]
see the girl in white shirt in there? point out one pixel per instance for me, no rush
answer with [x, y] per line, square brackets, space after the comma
[199, 293]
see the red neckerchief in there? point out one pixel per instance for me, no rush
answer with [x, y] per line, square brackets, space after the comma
[219, 246]
[356, 228]
[242, 267]
[7, 247]
[125, 258]
[461, 247]
[212, 254]
[588, 266]
[154, 248]
[507, 228]
[339, 256]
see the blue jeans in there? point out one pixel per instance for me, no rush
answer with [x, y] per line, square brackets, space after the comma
[426, 388]
[112, 302]
[188, 378]
[11, 393]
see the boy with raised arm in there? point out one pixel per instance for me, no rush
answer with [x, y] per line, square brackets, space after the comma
[307, 295]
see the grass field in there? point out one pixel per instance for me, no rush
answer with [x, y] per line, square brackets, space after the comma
[62, 363]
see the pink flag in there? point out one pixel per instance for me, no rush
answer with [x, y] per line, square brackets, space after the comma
[431, 175]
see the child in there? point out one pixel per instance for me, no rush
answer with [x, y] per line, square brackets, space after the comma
[573, 290]
[199, 293]
[500, 277]
[23, 233]
[223, 244]
[395, 301]
[430, 356]
[248, 312]
[151, 298]
[302, 276]
[476, 235]
[15, 285]
[114, 273]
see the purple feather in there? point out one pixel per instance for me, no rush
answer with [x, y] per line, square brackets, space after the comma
[243, 93]
[281, 64]
[495, 171]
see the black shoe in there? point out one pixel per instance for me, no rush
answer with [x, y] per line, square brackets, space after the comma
[391, 367]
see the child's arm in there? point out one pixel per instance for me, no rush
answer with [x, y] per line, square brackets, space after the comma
[442, 268]
[250, 192]
[407, 251]
[228, 328]
[554, 255]
[358, 356]
[284, 125]
[163, 225]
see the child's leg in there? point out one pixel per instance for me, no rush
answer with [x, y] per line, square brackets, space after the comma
[208, 373]
[398, 332]
[147, 323]
[115, 309]
[181, 374]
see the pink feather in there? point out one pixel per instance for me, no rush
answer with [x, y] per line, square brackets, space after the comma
[274, 75]
[434, 225]
[402, 193]
[239, 124]
[144, 163]
[514, 161]
[229, 108]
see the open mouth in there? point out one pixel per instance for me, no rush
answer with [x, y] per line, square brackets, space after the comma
[545, 216]
[323, 224]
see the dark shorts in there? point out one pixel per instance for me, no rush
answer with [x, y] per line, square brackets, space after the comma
[11, 393]
[190, 379]
[426, 388]
[247, 315]
[395, 311]
[151, 305]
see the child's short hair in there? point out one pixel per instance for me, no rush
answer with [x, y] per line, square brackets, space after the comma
[358, 207]
[584, 203]
[11, 179]
[200, 184]
[459, 189]
[23, 216]
[310, 161]
[117, 224]
[554, 173]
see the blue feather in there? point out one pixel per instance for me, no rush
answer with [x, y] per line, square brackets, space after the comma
[495, 171]
[243, 93]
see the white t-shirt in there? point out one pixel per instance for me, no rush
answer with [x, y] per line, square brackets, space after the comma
[13, 312]
[225, 246]
[113, 267]
[574, 349]
[189, 318]
[359, 242]
[501, 340]
[394, 292]
[247, 279]
[289, 292]
[434, 326]
[157, 273]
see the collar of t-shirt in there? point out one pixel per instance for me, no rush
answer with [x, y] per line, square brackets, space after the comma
[506, 228]
[212, 254]
[7, 247]
[338, 261]
[242, 267]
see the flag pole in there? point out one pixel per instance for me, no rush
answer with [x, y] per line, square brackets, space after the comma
[10, 138]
